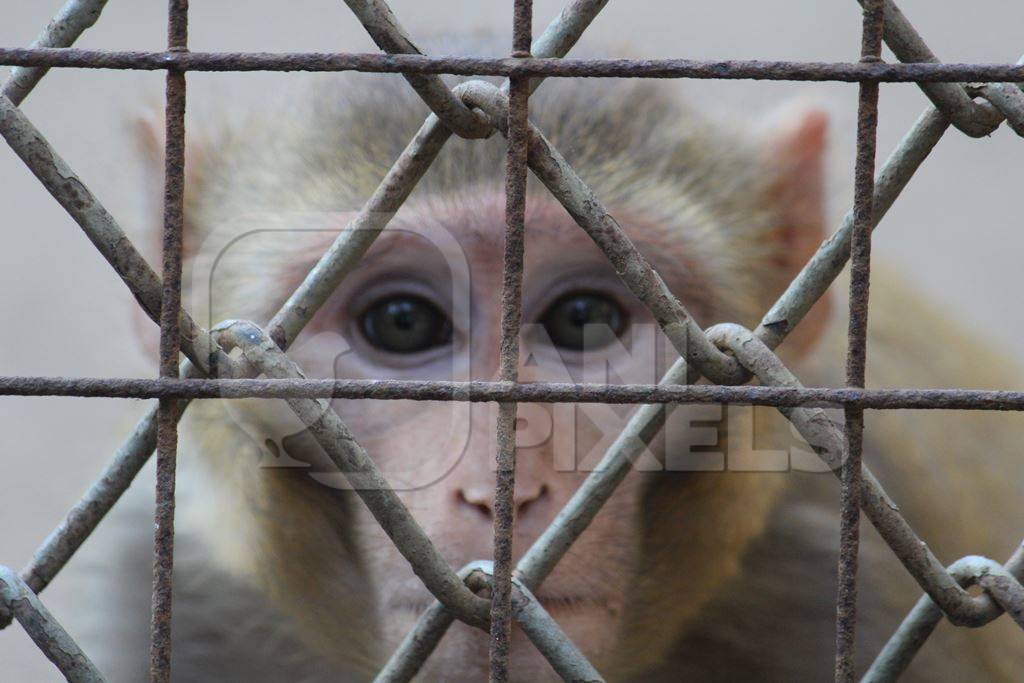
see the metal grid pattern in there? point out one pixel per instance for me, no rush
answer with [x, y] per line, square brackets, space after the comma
[727, 355]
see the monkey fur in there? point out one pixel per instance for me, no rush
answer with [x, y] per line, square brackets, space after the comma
[683, 576]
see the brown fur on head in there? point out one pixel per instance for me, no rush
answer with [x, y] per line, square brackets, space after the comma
[727, 220]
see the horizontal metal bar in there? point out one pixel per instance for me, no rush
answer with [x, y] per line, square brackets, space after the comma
[497, 66]
[344, 253]
[952, 100]
[575, 516]
[98, 224]
[63, 30]
[825, 437]
[324, 425]
[379, 21]
[83, 518]
[535, 392]
[45, 631]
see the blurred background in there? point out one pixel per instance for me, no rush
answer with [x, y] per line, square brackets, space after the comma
[955, 231]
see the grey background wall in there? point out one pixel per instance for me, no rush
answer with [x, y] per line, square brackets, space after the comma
[956, 231]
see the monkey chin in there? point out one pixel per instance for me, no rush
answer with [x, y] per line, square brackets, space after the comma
[462, 655]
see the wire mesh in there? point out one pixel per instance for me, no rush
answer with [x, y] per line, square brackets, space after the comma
[726, 354]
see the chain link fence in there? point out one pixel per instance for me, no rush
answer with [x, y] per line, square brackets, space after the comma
[727, 355]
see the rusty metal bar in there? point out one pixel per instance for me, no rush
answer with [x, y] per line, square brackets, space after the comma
[532, 392]
[726, 69]
[383, 27]
[1009, 100]
[851, 481]
[362, 473]
[564, 31]
[418, 644]
[170, 349]
[830, 259]
[45, 631]
[73, 19]
[564, 657]
[345, 252]
[511, 318]
[599, 485]
[589, 213]
[950, 98]
[96, 222]
[826, 439]
[1000, 582]
[545, 634]
[83, 518]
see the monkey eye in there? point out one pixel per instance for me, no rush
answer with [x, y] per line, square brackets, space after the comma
[583, 320]
[405, 323]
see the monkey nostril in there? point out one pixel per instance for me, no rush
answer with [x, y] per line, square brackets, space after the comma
[474, 502]
[528, 500]
[482, 504]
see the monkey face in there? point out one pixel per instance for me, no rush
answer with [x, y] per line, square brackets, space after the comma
[424, 304]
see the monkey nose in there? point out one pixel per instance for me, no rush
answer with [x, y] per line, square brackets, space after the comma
[480, 500]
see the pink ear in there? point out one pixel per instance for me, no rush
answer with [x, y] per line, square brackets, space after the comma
[796, 151]
[147, 128]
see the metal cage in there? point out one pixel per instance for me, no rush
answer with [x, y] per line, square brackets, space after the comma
[727, 355]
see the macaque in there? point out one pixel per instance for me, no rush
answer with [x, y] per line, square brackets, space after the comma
[715, 560]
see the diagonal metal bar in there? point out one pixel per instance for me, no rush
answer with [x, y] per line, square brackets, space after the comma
[827, 441]
[1008, 98]
[545, 634]
[511, 319]
[597, 488]
[851, 482]
[950, 98]
[1002, 582]
[579, 200]
[73, 19]
[323, 423]
[781, 319]
[830, 259]
[345, 252]
[419, 643]
[96, 222]
[45, 631]
[549, 639]
[383, 27]
[83, 518]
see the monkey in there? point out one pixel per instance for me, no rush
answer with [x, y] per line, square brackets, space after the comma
[715, 559]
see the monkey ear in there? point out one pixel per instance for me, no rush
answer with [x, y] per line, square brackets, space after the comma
[149, 138]
[796, 150]
[148, 130]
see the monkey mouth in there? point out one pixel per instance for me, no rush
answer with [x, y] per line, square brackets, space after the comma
[552, 603]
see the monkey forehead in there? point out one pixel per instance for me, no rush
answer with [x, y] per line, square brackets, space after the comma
[474, 220]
